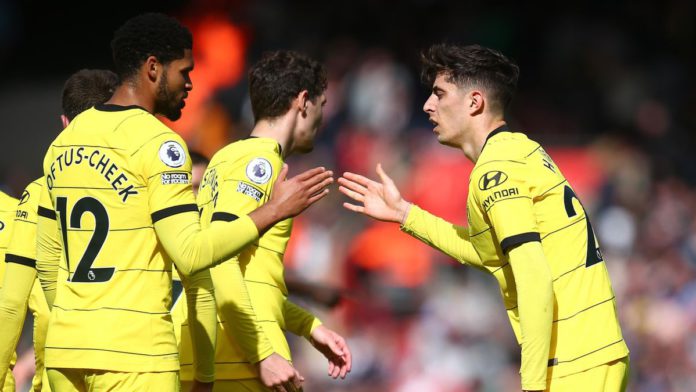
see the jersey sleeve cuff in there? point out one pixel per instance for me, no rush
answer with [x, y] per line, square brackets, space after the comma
[411, 219]
[518, 239]
[315, 323]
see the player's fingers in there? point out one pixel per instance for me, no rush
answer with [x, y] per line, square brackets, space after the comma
[318, 179]
[313, 199]
[348, 358]
[310, 173]
[354, 208]
[331, 368]
[353, 195]
[352, 185]
[362, 180]
[318, 187]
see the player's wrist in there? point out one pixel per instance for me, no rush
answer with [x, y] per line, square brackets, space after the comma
[266, 216]
[403, 209]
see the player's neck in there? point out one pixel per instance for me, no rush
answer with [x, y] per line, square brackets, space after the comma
[129, 94]
[279, 129]
[476, 140]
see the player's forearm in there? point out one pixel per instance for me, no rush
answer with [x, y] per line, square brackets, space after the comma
[535, 306]
[41, 312]
[193, 249]
[235, 309]
[48, 253]
[298, 320]
[202, 316]
[13, 307]
[451, 239]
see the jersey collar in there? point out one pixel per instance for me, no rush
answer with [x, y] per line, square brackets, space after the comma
[280, 148]
[500, 129]
[109, 107]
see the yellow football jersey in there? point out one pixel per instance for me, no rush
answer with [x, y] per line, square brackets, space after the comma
[517, 194]
[8, 210]
[22, 250]
[238, 180]
[111, 174]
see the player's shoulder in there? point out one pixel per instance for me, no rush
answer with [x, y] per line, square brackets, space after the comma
[250, 151]
[505, 150]
[32, 192]
[7, 202]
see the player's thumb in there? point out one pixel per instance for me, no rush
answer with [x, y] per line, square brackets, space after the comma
[382, 175]
[283, 172]
[298, 378]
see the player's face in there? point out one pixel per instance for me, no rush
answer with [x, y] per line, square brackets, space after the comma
[314, 114]
[446, 111]
[174, 86]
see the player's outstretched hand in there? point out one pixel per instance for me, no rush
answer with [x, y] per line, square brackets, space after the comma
[278, 374]
[379, 200]
[294, 195]
[334, 348]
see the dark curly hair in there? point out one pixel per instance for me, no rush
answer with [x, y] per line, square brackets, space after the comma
[86, 88]
[276, 79]
[145, 35]
[472, 65]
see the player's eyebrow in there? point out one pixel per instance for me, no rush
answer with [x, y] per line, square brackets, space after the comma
[438, 89]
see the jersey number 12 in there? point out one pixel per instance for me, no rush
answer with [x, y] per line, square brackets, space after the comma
[84, 271]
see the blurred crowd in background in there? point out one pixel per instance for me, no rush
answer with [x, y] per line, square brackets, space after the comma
[605, 87]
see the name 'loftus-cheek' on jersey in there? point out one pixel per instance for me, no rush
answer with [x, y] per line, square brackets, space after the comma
[110, 174]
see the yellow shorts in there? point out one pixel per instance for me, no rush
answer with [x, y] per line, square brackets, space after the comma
[87, 380]
[610, 377]
[245, 385]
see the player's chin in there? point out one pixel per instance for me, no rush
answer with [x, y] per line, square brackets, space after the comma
[173, 114]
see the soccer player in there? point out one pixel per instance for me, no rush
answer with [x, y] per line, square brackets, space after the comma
[8, 209]
[119, 183]
[82, 90]
[287, 91]
[526, 227]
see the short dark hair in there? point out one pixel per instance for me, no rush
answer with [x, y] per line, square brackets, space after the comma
[472, 65]
[276, 79]
[145, 35]
[86, 88]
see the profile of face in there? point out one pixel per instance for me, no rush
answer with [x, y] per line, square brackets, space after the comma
[312, 118]
[173, 87]
[448, 110]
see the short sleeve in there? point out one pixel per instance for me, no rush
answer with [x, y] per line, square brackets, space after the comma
[503, 194]
[166, 165]
[246, 185]
[22, 246]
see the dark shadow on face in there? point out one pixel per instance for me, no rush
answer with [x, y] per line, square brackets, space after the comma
[166, 102]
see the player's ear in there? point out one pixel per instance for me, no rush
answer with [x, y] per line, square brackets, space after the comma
[153, 67]
[303, 101]
[476, 102]
[64, 120]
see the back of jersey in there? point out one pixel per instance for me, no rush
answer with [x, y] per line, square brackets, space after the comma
[111, 174]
